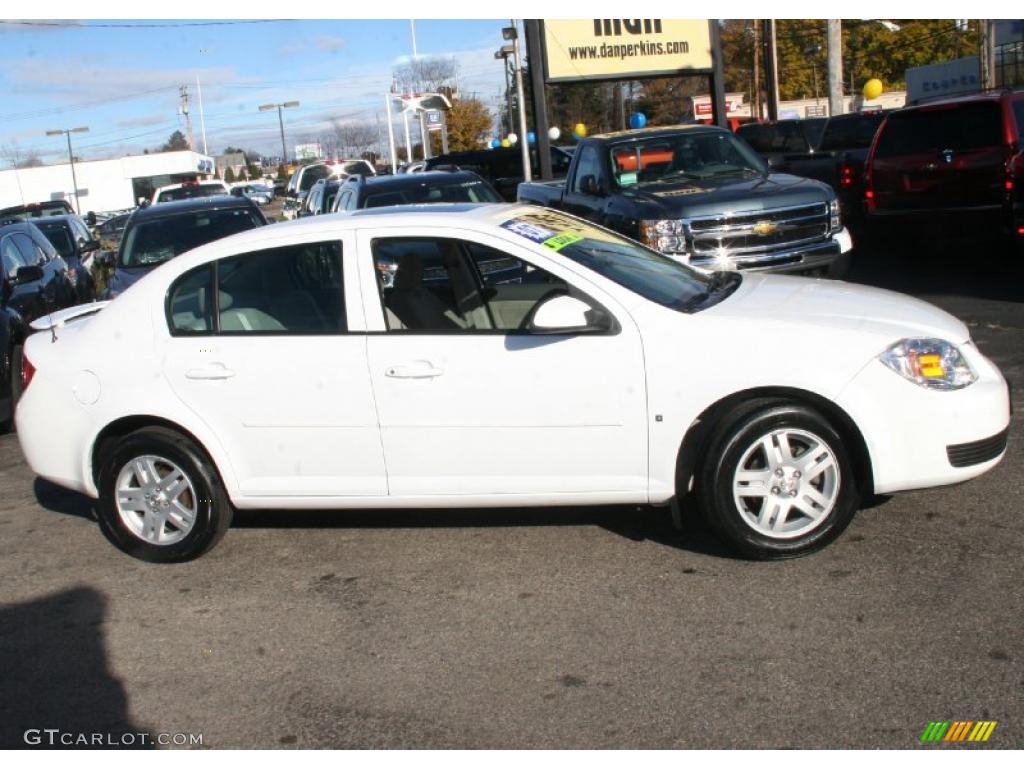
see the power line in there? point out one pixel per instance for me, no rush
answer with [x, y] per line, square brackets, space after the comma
[81, 105]
[144, 25]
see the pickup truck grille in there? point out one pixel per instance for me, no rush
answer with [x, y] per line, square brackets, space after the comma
[757, 235]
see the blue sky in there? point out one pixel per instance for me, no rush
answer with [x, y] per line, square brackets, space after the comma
[123, 82]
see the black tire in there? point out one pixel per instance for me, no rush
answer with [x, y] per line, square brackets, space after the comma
[213, 510]
[727, 446]
[838, 269]
[15, 388]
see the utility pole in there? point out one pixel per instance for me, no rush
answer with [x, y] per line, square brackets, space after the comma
[755, 97]
[835, 67]
[512, 33]
[987, 52]
[183, 91]
[202, 117]
[534, 53]
[771, 69]
[391, 134]
[71, 158]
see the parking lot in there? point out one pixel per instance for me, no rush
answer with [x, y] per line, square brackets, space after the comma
[539, 628]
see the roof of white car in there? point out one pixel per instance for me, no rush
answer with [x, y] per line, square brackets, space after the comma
[471, 215]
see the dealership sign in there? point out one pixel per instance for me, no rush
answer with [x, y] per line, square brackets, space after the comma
[609, 49]
[949, 78]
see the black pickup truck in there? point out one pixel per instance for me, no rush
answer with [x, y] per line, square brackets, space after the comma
[837, 159]
[699, 194]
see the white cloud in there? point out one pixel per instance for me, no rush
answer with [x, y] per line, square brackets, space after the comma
[330, 43]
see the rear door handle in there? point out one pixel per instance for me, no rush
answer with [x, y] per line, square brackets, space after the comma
[421, 369]
[213, 371]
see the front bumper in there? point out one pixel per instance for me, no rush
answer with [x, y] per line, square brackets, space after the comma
[919, 438]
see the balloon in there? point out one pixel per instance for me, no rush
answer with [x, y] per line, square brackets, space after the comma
[531, 137]
[554, 133]
[512, 138]
[637, 120]
[873, 88]
[506, 143]
[495, 143]
[580, 130]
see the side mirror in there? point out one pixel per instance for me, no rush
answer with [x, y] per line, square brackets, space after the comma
[28, 274]
[567, 314]
[90, 218]
[590, 186]
[88, 246]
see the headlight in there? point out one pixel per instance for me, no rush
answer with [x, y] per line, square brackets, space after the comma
[665, 235]
[834, 217]
[930, 363]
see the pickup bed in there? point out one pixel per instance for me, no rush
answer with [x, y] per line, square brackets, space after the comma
[838, 159]
[700, 195]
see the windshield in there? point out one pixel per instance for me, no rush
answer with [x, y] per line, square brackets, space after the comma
[312, 175]
[626, 262]
[59, 236]
[35, 210]
[159, 240]
[189, 192]
[474, 191]
[683, 156]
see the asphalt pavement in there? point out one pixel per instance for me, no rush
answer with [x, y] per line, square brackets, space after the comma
[595, 627]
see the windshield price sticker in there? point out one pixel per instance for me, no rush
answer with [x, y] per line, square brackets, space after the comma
[558, 242]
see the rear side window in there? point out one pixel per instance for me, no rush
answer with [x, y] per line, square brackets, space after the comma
[190, 302]
[292, 290]
[850, 132]
[963, 128]
[1018, 113]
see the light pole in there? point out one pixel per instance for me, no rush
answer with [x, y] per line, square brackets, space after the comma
[512, 33]
[71, 157]
[280, 122]
[503, 54]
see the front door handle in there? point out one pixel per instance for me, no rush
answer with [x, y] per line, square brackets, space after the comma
[421, 369]
[210, 372]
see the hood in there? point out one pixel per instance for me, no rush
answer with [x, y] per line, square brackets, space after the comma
[708, 197]
[125, 278]
[832, 305]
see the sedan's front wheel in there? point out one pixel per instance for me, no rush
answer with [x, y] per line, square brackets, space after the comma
[778, 481]
[161, 499]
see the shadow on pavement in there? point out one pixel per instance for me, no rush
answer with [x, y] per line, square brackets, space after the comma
[55, 675]
[56, 499]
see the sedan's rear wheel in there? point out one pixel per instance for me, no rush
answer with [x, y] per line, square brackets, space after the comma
[778, 481]
[161, 499]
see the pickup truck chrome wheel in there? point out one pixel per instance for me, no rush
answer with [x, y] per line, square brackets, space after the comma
[156, 500]
[786, 483]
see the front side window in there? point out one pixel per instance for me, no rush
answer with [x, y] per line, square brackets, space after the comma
[13, 260]
[294, 290]
[32, 253]
[443, 285]
[158, 240]
[589, 165]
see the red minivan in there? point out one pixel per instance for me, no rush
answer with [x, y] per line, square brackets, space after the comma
[956, 156]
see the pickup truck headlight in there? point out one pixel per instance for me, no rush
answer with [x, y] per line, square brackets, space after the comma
[664, 235]
[930, 363]
[835, 222]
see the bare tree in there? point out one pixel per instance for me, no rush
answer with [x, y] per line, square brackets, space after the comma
[354, 139]
[18, 158]
[426, 74]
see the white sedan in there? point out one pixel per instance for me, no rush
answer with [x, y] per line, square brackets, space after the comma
[471, 356]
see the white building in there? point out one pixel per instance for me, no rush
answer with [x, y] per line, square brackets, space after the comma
[103, 185]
